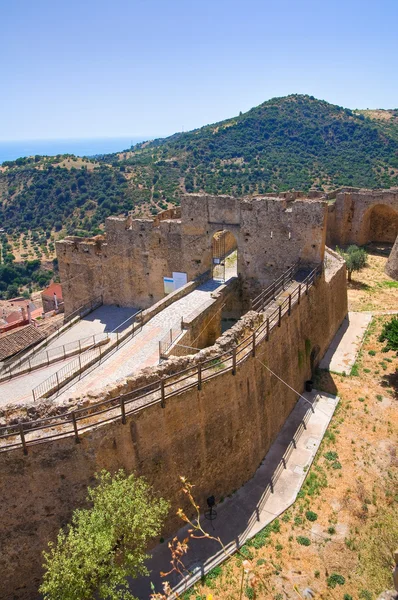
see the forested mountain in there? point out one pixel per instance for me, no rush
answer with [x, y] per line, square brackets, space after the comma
[296, 142]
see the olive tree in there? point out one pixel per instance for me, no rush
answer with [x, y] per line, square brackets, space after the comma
[105, 543]
[355, 259]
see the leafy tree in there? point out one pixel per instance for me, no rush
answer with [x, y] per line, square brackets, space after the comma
[389, 334]
[106, 543]
[355, 259]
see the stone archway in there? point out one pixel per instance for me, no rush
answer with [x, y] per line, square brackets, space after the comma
[380, 224]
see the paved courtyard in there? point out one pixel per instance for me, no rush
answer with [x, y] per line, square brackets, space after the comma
[139, 352]
[143, 349]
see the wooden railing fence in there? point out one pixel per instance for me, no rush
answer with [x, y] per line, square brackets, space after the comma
[24, 435]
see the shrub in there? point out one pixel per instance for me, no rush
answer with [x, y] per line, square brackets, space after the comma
[106, 543]
[389, 334]
[311, 516]
[303, 541]
[335, 579]
[331, 455]
[355, 259]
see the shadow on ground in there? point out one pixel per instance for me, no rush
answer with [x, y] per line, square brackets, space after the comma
[358, 285]
[379, 248]
[391, 381]
[324, 381]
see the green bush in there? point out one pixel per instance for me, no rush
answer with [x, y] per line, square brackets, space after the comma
[389, 334]
[303, 541]
[311, 516]
[335, 579]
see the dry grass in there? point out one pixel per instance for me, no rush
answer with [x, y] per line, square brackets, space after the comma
[372, 289]
[356, 510]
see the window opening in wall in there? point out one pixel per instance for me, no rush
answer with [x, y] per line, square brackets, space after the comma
[224, 255]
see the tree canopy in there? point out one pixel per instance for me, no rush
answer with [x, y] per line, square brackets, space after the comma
[106, 543]
[355, 259]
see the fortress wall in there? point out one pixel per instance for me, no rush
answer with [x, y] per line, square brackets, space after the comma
[363, 216]
[275, 235]
[216, 437]
[392, 263]
[138, 258]
[271, 234]
[204, 324]
[81, 270]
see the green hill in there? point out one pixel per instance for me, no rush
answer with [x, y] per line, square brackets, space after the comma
[296, 142]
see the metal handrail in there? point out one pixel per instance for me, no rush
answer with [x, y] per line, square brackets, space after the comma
[51, 355]
[81, 311]
[259, 302]
[155, 393]
[93, 354]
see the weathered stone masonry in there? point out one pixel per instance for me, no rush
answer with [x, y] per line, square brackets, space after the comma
[216, 437]
[127, 265]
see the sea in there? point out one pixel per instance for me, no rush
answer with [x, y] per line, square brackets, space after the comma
[80, 147]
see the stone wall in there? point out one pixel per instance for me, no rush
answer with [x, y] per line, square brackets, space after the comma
[392, 263]
[203, 326]
[363, 216]
[127, 266]
[216, 437]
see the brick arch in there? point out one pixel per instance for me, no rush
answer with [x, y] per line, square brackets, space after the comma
[380, 224]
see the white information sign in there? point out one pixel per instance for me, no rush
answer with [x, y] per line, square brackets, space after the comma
[180, 279]
[168, 283]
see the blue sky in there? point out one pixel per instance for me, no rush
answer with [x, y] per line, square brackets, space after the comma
[153, 67]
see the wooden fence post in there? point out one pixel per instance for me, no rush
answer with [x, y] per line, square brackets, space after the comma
[267, 337]
[21, 433]
[254, 344]
[162, 394]
[307, 287]
[234, 361]
[77, 441]
[280, 315]
[299, 294]
[290, 304]
[123, 410]
[199, 376]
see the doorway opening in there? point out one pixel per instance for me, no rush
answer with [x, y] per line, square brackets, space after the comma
[224, 256]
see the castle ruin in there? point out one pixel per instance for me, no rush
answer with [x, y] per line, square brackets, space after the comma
[230, 407]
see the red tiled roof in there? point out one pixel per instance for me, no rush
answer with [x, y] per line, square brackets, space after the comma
[19, 339]
[53, 288]
[14, 316]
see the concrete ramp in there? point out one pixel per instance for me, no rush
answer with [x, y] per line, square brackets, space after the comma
[342, 352]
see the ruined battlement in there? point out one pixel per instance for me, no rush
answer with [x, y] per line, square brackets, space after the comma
[127, 265]
[363, 216]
